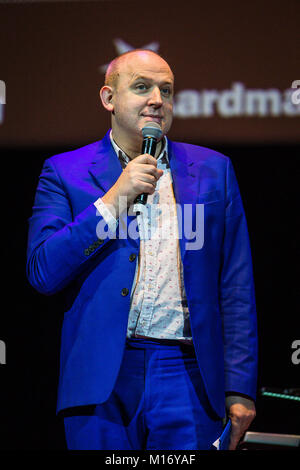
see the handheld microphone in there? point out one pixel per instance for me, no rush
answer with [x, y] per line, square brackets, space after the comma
[151, 133]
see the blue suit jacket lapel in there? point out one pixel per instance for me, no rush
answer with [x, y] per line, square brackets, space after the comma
[105, 166]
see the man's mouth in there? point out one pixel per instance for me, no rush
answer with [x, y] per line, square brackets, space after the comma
[153, 117]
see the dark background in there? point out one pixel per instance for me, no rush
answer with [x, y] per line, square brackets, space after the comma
[268, 175]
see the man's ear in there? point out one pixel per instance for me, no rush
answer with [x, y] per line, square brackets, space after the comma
[106, 94]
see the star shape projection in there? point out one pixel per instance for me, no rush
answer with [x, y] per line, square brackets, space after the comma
[122, 46]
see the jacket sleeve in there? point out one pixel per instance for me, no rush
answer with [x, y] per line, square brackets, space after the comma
[59, 245]
[237, 297]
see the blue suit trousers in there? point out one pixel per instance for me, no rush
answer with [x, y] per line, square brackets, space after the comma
[158, 403]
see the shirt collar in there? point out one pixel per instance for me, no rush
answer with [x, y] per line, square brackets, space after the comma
[124, 159]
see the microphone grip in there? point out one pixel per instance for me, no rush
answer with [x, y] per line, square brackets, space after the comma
[149, 146]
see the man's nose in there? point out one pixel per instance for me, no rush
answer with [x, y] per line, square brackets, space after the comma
[155, 97]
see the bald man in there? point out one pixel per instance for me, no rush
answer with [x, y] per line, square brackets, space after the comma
[159, 337]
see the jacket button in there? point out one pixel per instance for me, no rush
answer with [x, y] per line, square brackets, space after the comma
[132, 257]
[124, 291]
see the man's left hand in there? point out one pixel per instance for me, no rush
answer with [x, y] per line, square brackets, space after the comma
[241, 411]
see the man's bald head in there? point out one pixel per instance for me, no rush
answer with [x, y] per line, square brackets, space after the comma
[115, 67]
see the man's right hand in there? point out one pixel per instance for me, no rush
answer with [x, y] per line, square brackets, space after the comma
[140, 176]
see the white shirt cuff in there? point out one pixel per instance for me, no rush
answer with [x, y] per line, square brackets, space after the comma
[104, 211]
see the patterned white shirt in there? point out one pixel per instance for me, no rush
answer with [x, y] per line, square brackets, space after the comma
[158, 307]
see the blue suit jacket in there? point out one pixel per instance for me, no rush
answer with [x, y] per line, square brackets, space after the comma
[65, 252]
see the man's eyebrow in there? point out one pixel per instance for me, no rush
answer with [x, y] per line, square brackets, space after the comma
[148, 79]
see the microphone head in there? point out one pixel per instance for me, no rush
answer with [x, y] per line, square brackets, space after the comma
[152, 129]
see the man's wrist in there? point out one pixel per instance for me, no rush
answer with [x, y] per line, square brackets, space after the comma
[231, 398]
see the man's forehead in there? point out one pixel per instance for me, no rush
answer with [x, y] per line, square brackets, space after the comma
[145, 65]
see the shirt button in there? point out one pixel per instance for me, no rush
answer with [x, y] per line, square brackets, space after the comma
[124, 291]
[132, 257]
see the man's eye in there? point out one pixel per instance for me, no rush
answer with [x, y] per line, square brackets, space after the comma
[141, 86]
[166, 91]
